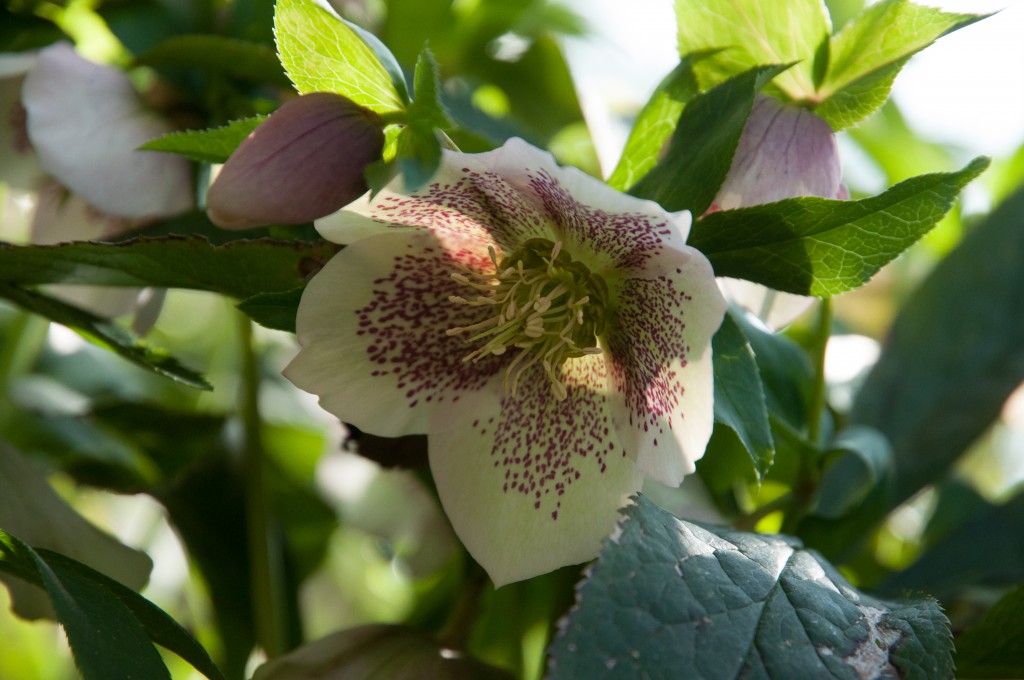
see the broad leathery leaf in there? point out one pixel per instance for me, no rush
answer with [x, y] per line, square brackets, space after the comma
[954, 354]
[670, 598]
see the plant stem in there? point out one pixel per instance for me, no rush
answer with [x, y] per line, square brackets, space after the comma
[267, 583]
[456, 630]
[26, 336]
[816, 402]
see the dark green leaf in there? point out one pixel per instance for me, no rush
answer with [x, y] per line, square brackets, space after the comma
[21, 32]
[238, 269]
[954, 354]
[248, 61]
[818, 246]
[105, 333]
[868, 52]
[702, 147]
[754, 32]
[109, 626]
[211, 146]
[864, 460]
[994, 648]
[669, 598]
[986, 550]
[739, 395]
[274, 310]
[654, 125]
[784, 367]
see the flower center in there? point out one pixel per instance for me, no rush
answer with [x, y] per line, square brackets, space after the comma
[546, 305]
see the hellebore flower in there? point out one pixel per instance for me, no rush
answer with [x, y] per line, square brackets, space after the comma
[550, 334]
[303, 162]
[69, 132]
[85, 123]
[784, 151]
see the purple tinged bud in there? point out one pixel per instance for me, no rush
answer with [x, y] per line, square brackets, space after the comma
[304, 162]
[785, 151]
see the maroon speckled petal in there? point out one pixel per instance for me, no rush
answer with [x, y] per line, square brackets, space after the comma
[536, 485]
[372, 329]
[515, 193]
[659, 352]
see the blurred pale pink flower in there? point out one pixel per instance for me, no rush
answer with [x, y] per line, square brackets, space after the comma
[550, 334]
[304, 162]
[69, 129]
[784, 151]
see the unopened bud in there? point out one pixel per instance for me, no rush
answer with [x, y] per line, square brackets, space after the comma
[785, 151]
[304, 162]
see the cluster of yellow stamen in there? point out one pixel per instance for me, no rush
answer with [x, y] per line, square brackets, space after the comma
[547, 306]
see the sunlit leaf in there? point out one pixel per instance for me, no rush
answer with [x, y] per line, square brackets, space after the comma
[817, 246]
[868, 52]
[754, 32]
[322, 53]
[211, 146]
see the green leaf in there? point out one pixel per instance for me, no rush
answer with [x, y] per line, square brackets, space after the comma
[994, 647]
[739, 394]
[419, 151]
[864, 461]
[702, 147]
[105, 333]
[784, 367]
[670, 598]
[655, 124]
[986, 550]
[754, 32]
[818, 246]
[954, 353]
[210, 146]
[109, 626]
[321, 53]
[247, 61]
[274, 310]
[870, 50]
[238, 269]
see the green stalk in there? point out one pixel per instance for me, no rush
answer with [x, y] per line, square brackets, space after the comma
[267, 575]
[816, 402]
[26, 337]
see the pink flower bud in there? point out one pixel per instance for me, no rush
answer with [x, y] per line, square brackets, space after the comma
[785, 151]
[304, 162]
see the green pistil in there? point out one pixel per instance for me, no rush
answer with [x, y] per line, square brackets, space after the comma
[546, 305]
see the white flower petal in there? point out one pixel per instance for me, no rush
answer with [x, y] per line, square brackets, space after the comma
[19, 166]
[372, 329]
[659, 351]
[537, 484]
[86, 122]
[775, 308]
